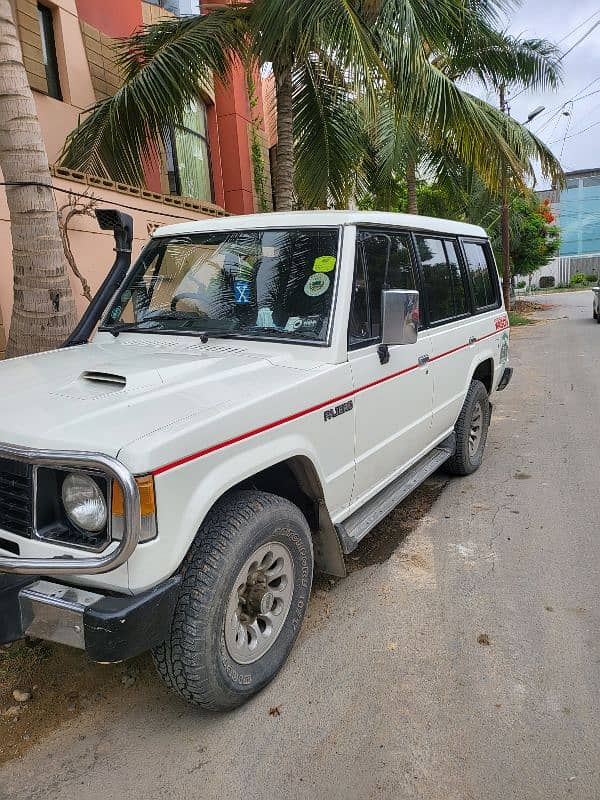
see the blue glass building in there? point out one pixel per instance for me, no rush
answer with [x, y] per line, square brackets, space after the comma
[579, 214]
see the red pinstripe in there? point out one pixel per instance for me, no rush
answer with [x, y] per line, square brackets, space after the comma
[186, 460]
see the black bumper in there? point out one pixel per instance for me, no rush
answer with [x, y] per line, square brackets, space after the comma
[112, 628]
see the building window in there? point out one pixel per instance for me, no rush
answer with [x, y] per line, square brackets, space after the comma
[49, 51]
[179, 7]
[188, 155]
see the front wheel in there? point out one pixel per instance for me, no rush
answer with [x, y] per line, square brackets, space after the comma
[471, 431]
[245, 589]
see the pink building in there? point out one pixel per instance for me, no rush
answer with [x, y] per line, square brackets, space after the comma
[205, 169]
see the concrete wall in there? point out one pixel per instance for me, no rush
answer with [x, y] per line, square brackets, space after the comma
[93, 248]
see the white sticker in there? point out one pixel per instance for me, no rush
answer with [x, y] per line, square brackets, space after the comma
[317, 284]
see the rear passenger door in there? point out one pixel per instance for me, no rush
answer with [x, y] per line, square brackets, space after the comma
[447, 304]
[393, 400]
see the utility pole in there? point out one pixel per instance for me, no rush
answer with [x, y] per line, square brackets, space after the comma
[504, 217]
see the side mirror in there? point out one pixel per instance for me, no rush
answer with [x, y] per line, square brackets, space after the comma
[399, 316]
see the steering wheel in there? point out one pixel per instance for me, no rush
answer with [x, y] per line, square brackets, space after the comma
[185, 296]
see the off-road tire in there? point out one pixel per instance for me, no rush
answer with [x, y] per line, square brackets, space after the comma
[194, 661]
[463, 462]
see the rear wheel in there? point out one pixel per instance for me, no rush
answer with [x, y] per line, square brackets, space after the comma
[245, 589]
[471, 431]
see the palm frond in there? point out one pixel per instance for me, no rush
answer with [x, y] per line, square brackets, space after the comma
[328, 134]
[165, 66]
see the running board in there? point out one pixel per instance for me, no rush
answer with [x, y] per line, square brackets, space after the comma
[359, 524]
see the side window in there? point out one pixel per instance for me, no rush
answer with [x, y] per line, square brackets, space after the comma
[484, 286]
[383, 260]
[444, 282]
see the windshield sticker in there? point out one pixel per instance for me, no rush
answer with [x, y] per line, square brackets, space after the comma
[126, 296]
[316, 285]
[324, 264]
[116, 312]
[241, 291]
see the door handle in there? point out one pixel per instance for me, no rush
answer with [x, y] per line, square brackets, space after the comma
[472, 340]
[423, 359]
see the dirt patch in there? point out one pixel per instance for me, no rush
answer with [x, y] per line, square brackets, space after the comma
[63, 683]
[383, 540]
[529, 306]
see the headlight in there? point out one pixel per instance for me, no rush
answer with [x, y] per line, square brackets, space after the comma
[84, 502]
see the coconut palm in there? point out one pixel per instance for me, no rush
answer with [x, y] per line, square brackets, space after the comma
[43, 309]
[480, 53]
[327, 56]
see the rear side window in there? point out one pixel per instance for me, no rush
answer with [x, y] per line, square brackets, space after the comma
[484, 285]
[444, 284]
[383, 261]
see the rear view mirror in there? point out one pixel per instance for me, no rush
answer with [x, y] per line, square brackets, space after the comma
[399, 316]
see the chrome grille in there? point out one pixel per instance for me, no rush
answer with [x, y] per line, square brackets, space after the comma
[16, 497]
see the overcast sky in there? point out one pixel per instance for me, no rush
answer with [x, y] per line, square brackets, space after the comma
[554, 19]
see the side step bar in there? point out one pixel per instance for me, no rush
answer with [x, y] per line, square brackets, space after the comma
[359, 524]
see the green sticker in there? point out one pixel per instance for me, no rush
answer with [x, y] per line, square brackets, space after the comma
[316, 285]
[324, 264]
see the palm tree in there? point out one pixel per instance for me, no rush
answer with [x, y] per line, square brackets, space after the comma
[44, 309]
[328, 57]
[400, 142]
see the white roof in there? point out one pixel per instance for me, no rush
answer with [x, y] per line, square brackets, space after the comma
[294, 219]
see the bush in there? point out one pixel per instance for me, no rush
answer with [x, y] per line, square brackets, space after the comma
[521, 284]
[546, 281]
[577, 279]
[591, 277]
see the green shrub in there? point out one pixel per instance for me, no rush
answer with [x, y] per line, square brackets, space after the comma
[591, 277]
[546, 281]
[577, 279]
[521, 284]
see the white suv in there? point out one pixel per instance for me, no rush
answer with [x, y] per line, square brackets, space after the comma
[261, 392]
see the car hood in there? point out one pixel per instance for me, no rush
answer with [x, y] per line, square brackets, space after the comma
[103, 395]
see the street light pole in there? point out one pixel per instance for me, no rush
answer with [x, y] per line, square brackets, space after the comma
[504, 214]
[504, 218]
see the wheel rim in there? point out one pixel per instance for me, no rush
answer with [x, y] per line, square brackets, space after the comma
[259, 603]
[476, 431]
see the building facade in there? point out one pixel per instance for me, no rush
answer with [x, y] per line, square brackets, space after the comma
[206, 166]
[577, 211]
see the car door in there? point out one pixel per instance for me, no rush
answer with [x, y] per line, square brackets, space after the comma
[447, 303]
[394, 390]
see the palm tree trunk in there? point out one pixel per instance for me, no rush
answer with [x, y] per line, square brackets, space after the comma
[411, 187]
[44, 309]
[284, 167]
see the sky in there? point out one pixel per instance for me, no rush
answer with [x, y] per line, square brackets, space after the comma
[555, 19]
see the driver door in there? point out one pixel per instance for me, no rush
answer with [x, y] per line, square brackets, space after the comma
[394, 400]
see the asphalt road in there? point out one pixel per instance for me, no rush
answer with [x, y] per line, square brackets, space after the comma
[388, 693]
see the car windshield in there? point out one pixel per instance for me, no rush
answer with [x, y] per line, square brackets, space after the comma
[275, 283]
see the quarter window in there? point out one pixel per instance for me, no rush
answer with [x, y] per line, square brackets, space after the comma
[383, 261]
[484, 289]
[444, 282]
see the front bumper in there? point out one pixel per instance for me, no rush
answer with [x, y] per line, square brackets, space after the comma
[109, 629]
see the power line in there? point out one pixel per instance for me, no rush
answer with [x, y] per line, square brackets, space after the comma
[579, 41]
[578, 27]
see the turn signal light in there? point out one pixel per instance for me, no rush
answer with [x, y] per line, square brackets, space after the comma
[145, 485]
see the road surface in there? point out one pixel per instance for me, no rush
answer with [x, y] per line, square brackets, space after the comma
[392, 691]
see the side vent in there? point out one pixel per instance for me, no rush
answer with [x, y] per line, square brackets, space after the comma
[105, 377]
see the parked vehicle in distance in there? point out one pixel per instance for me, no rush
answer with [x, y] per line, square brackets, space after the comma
[596, 304]
[261, 392]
